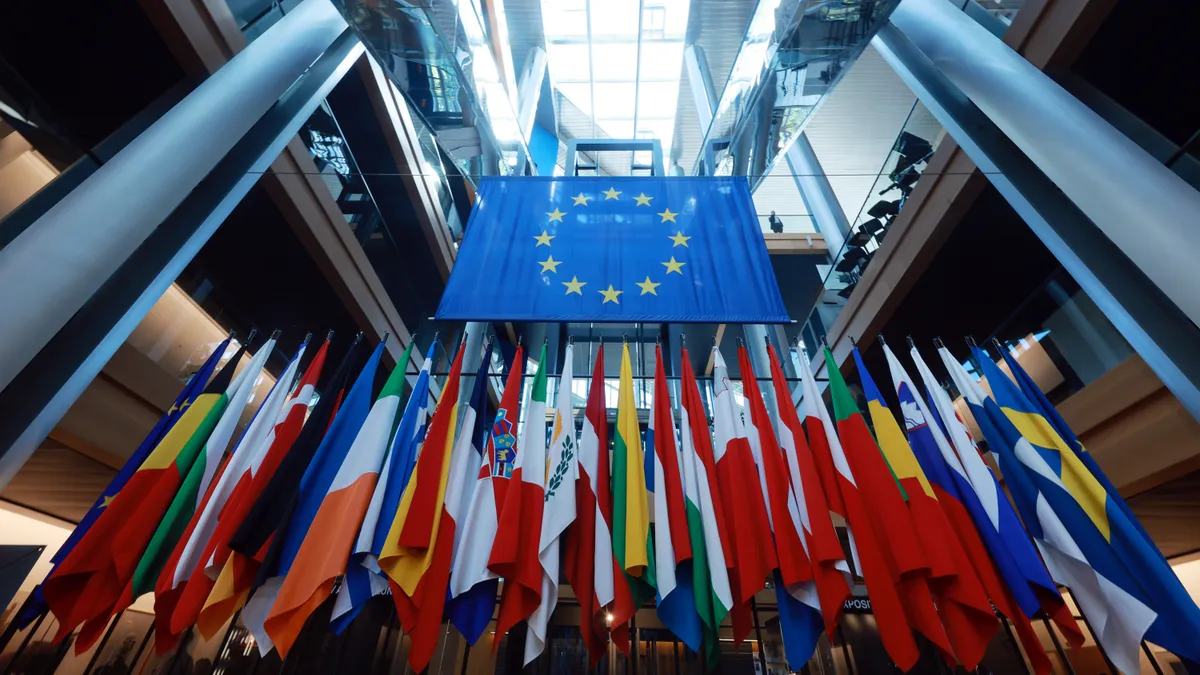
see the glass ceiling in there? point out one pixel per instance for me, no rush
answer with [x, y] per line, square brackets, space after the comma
[619, 61]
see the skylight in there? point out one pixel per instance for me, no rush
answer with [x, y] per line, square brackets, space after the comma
[596, 64]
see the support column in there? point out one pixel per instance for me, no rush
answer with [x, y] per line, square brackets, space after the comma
[529, 90]
[1158, 329]
[68, 253]
[1134, 200]
[700, 80]
[818, 194]
[41, 393]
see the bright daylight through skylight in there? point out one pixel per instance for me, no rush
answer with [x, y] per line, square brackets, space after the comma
[597, 65]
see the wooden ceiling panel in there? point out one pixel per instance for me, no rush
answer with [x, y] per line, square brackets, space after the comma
[59, 482]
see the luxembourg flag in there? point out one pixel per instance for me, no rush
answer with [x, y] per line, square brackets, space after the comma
[470, 579]
[672, 546]
[364, 580]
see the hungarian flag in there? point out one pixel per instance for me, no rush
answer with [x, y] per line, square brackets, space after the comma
[185, 557]
[364, 580]
[89, 581]
[36, 605]
[705, 518]
[591, 567]
[515, 551]
[420, 544]
[743, 499]
[966, 615]
[470, 579]
[470, 613]
[631, 502]
[331, 535]
[966, 513]
[873, 564]
[209, 600]
[672, 545]
[558, 512]
[828, 561]
[301, 513]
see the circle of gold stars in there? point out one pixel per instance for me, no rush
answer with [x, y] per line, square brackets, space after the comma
[611, 294]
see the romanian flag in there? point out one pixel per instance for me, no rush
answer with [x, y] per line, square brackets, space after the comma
[36, 605]
[470, 580]
[201, 468]
[672, 544]
[741, 490]
[327, 544]
[962, 604]
[210, 600]
[420, 543]
[318, 481]
[706, 520]
[89, 581]
[846, 498]
[631, 502]
[828, 589]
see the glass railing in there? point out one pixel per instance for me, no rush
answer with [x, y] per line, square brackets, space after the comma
[896, 180]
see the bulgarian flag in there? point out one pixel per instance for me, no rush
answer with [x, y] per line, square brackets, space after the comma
[591, 567]
[470, 579]
[742, 496]
[705, 519]
[672, 546]
[828, 561]
[89, 581]
[631, 502]
[334, 528]
[185, 557]
[872, 562]
[515, 552]
[420, 545]
[229, 574]
[966, 615]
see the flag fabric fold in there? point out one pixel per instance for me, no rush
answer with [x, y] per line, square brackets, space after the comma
[631, 503]
[705, 518]
[743, 499]
[470, 579]
[317, 482]
[420, 544]
[672, 546]
[867, 542]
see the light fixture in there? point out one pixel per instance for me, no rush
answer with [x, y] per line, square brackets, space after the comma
[883, 208]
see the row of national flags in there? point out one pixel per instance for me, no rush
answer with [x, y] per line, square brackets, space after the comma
[463, 514]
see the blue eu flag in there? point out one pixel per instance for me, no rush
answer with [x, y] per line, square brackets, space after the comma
[613, 249]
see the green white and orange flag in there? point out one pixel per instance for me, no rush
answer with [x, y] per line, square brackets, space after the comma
[631, 501]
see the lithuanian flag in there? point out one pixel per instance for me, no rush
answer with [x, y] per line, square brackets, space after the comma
[631, 501]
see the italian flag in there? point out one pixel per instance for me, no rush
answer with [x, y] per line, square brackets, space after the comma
[705, 520]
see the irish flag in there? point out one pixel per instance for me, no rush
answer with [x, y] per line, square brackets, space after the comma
[89, 581]
[515, 551]
[591, 567]
[741, 495]
[710, 578]
[866, 544]
[470, 579]
[631, 502]
[420, 544]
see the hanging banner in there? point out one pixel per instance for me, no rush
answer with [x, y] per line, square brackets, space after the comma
[613, 250]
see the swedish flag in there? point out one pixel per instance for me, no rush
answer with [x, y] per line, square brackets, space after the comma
[1121, 582]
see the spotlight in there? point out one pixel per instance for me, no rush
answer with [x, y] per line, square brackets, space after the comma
[883, 208]
[859, 238]
[872, 227]
[912, 146]
[855, 254]
[846, 265]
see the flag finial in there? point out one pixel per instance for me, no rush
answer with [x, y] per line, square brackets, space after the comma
[357, 338]
[741, 343]
[386, 334]
[275, 334]
[911, 343]
[307, 337]
[519, 338]
[937, 342]
[971, 341]
[329, 335]
[250, 337]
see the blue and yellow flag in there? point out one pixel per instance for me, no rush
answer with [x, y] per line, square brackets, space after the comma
[613, 249]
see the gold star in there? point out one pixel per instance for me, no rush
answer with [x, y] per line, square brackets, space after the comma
[544, 238]
[581, 199]
[108, 499]
[611, 193]
[550, 264]
[679, 239]
[648, 286]
[574, 286]
[674, 266]
[643, 200]
[667, 215]
[556, 215]
[610, 295]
